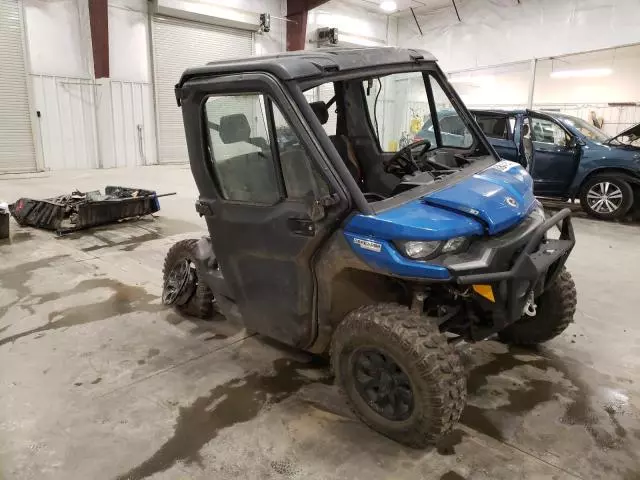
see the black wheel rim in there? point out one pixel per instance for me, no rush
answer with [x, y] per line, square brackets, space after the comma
[180, 284]
[382, 384]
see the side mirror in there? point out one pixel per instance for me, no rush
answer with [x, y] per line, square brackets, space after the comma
[572, 142]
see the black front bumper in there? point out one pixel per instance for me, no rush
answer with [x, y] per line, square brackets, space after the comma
[520, 262]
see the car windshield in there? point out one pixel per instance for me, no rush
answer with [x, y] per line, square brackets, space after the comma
[585, 128]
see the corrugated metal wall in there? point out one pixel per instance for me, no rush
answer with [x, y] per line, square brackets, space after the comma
[67, 122]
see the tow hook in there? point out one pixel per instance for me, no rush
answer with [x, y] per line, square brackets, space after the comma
[530, 307]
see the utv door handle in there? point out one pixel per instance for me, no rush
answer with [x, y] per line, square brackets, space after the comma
[301, 226]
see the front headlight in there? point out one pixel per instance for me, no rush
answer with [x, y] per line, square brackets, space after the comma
[419, 250]
[424, 250]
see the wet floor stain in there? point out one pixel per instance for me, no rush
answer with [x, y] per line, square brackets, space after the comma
[17, 237]
[16, 278]
[124, 299]
[153, 352]
[451, 475]
[217, 336]
[585, 407]
[153, 230]
[126, 245]
[447, 446]
[236, 401]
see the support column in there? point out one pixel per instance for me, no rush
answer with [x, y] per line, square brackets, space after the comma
[99, 22]
[297, 11]
[532, 82]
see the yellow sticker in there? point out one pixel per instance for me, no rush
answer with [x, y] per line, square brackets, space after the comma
[486, 291]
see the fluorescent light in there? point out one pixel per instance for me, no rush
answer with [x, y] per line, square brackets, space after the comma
[388, 5]
[587, 72]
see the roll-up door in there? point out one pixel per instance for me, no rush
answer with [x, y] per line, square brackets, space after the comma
[177, 45]
[17, 153]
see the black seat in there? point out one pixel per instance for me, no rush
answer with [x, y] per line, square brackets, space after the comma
[341, 143]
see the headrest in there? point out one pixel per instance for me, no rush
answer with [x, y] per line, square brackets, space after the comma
[234, 128]
[525, 129]
[321, 110]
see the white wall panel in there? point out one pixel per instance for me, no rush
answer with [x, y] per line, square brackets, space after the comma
[126, 124]
[129, 53]
[67, 121]
[58, 37]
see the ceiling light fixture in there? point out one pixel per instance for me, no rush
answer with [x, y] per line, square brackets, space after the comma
[388, 6]
[587, 72]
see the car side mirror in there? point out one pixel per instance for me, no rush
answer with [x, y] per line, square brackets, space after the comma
[572, 142]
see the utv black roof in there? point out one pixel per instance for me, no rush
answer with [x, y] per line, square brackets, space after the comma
[312, 63]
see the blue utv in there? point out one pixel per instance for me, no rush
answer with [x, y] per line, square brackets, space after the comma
[325, 241]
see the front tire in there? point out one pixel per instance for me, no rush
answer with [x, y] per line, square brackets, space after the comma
[556, 308]
[200, 303]
[399, 374]
[606, 196]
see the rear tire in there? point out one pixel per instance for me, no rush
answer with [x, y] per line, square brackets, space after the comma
[421, 362]
[606, 196]
[200, 304]
[555, 310]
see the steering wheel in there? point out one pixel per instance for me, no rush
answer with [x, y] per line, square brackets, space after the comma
[402, 163]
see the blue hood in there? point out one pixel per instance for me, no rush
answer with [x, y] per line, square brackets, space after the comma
[491, 201]
[500, 196]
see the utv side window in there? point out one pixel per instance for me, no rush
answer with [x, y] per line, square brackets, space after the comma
[247, 147]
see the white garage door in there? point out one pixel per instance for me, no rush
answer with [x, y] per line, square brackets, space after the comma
[177, 45]
[16, 140]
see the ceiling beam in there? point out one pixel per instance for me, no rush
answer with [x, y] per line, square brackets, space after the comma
[297, 11]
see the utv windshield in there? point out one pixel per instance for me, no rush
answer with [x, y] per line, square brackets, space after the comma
[399, 132]
[400, 109]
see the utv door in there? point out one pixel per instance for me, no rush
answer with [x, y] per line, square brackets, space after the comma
[257, 171]
[556, 155]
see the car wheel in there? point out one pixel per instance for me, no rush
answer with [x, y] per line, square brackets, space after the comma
[606, 197]
[399, 374]
[195, 299]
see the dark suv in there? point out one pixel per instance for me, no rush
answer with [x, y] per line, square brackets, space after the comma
[569, 158]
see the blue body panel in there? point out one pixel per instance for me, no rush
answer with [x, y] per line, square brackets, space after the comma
[389, 260]
[499, 197]
[414, 220]
[597, 156]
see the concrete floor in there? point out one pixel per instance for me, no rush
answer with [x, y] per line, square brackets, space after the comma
[100, 381]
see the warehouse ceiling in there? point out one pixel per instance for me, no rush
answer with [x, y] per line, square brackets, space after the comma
[403, 6]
